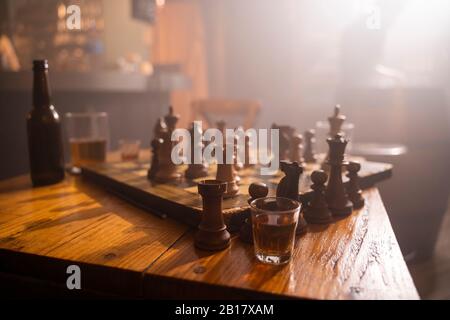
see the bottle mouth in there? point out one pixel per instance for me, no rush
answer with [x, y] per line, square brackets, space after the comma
[40, 64]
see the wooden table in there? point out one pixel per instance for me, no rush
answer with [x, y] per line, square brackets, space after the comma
[124, 251]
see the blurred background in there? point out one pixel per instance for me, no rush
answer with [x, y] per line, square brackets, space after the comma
[387, 62]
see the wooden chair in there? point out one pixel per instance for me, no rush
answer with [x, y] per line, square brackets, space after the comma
[234, 112]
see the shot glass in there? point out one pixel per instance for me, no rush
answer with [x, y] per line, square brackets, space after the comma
[274, 223]
[129, 149]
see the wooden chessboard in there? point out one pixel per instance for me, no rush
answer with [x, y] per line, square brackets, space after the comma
[181, 201]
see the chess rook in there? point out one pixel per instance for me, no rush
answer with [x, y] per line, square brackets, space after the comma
[353, 190]
[336, 196]
[212, 234]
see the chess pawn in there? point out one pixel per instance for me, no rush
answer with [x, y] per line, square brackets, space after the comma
[212, 234]
[337, 199]
[310, 141]
[316, 211]
[154, 166]
[256, 190]
[296, 151]
[353, 190]
[226, 173]
[238, 165]
[196, 170]
[336, 121]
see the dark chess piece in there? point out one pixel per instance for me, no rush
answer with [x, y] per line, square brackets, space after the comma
[289, 188]
[167, 170]
[336, 121]
[154, 166]
[212, 234]
[159, 129]
[310, 141]
[256, 190]
[302, 225]
[227, 173]
[316, 211]
[337, 199]
[353, 189]
[296, 152]
[221, 125]
[196, 170]
[284, 140]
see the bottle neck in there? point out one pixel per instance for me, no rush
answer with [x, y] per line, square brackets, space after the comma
[41, 89]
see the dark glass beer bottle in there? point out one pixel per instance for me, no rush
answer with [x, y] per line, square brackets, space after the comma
[44, 132]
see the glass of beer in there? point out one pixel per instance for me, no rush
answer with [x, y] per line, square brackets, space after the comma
[274, 223]
[88, 137]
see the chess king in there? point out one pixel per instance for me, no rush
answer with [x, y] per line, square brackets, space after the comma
[167, 170]
[337, 199]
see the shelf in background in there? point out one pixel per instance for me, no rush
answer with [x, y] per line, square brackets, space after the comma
[163, 79]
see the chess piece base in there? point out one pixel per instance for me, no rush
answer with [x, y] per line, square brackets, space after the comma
[212, 240]
[358, 203]
[319, 216]
[246, 231]
[151, 174]
[342, 212]
[167, 178]
[194, 172]
[232, 190]
[302, 226]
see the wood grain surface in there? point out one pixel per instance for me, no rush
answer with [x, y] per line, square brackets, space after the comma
[180, 199]
[73, 221]
[125, 251]
[354, 258]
